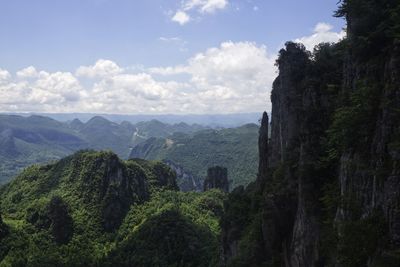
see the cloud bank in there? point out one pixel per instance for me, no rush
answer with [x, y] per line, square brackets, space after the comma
[230, 78]
[322, 33]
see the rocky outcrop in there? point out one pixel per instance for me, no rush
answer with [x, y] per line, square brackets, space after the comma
[217, 177]
[98, 182]
[186, 180]
[369, 166]
[117, 185]
[327, 192]
[263, 148]
[3, 228]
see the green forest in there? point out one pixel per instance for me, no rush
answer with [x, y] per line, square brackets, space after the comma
[323, 190]
[93, 209]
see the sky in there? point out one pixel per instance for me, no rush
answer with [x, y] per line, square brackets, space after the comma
[151, 56]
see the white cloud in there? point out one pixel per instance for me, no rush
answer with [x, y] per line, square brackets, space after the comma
[231, 77]
[322, 33]
[51, 92]
[29, 72]
[141, 84]
[205, 6]
[4, 75]
[181, 17]
[101, 68]
[62, 85]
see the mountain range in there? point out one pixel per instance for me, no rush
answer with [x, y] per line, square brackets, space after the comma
[38, 139]
[233, 148]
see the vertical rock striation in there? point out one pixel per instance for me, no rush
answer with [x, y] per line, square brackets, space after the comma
[328, 188]
[3, 228]
[217, 177]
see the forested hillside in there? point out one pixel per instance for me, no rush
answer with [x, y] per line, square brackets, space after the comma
[233, 148]
[93, 209]
[326, 192]
[37, 139]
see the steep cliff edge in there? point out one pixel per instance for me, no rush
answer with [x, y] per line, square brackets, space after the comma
[328, 186]
[217, 178]
[3, 228]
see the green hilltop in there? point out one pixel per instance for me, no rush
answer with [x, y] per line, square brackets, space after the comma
[94, 209]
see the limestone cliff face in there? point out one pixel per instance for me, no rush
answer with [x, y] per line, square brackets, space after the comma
[217, 177]
[188, 181]
[369, 171]
[300, 109]
[328, 188]
[107, 182]
[3, 228]
[263, 148]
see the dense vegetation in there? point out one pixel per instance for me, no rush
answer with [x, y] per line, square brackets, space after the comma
[92, 209]
[36, 139]
[327, 190]
[326, 193]
[233, 148]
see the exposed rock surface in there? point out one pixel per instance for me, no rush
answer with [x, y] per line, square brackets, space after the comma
[3, 228]
[97, 181]
[217, 177]
[328, 186]
[188, 181]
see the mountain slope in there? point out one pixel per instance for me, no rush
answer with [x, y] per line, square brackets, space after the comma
[28, 140]
[35, 139]
[234, 148]
[88, 208]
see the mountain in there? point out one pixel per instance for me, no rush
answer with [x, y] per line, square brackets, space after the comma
[94, 209]
[37, 139]
[328, 185]
[104, 134]
[210, 120]
[155, 128]
[233, 148]
[326, 193]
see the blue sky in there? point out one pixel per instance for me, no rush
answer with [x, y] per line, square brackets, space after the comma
[149, 51]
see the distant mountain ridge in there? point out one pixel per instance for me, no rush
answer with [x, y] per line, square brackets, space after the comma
[38, 139]
[211, 120]
[233, 148]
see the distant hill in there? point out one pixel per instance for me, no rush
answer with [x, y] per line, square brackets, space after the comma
[211, 120]
[35, 139]
[234, 148]
[38, 139]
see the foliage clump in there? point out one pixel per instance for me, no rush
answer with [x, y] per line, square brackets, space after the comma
[88, 208]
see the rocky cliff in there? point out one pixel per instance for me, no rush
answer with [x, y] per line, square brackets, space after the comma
[217, 177]
[97, 183]
[328, 186]
[3, 228]
[94, 209]
[188, 182]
